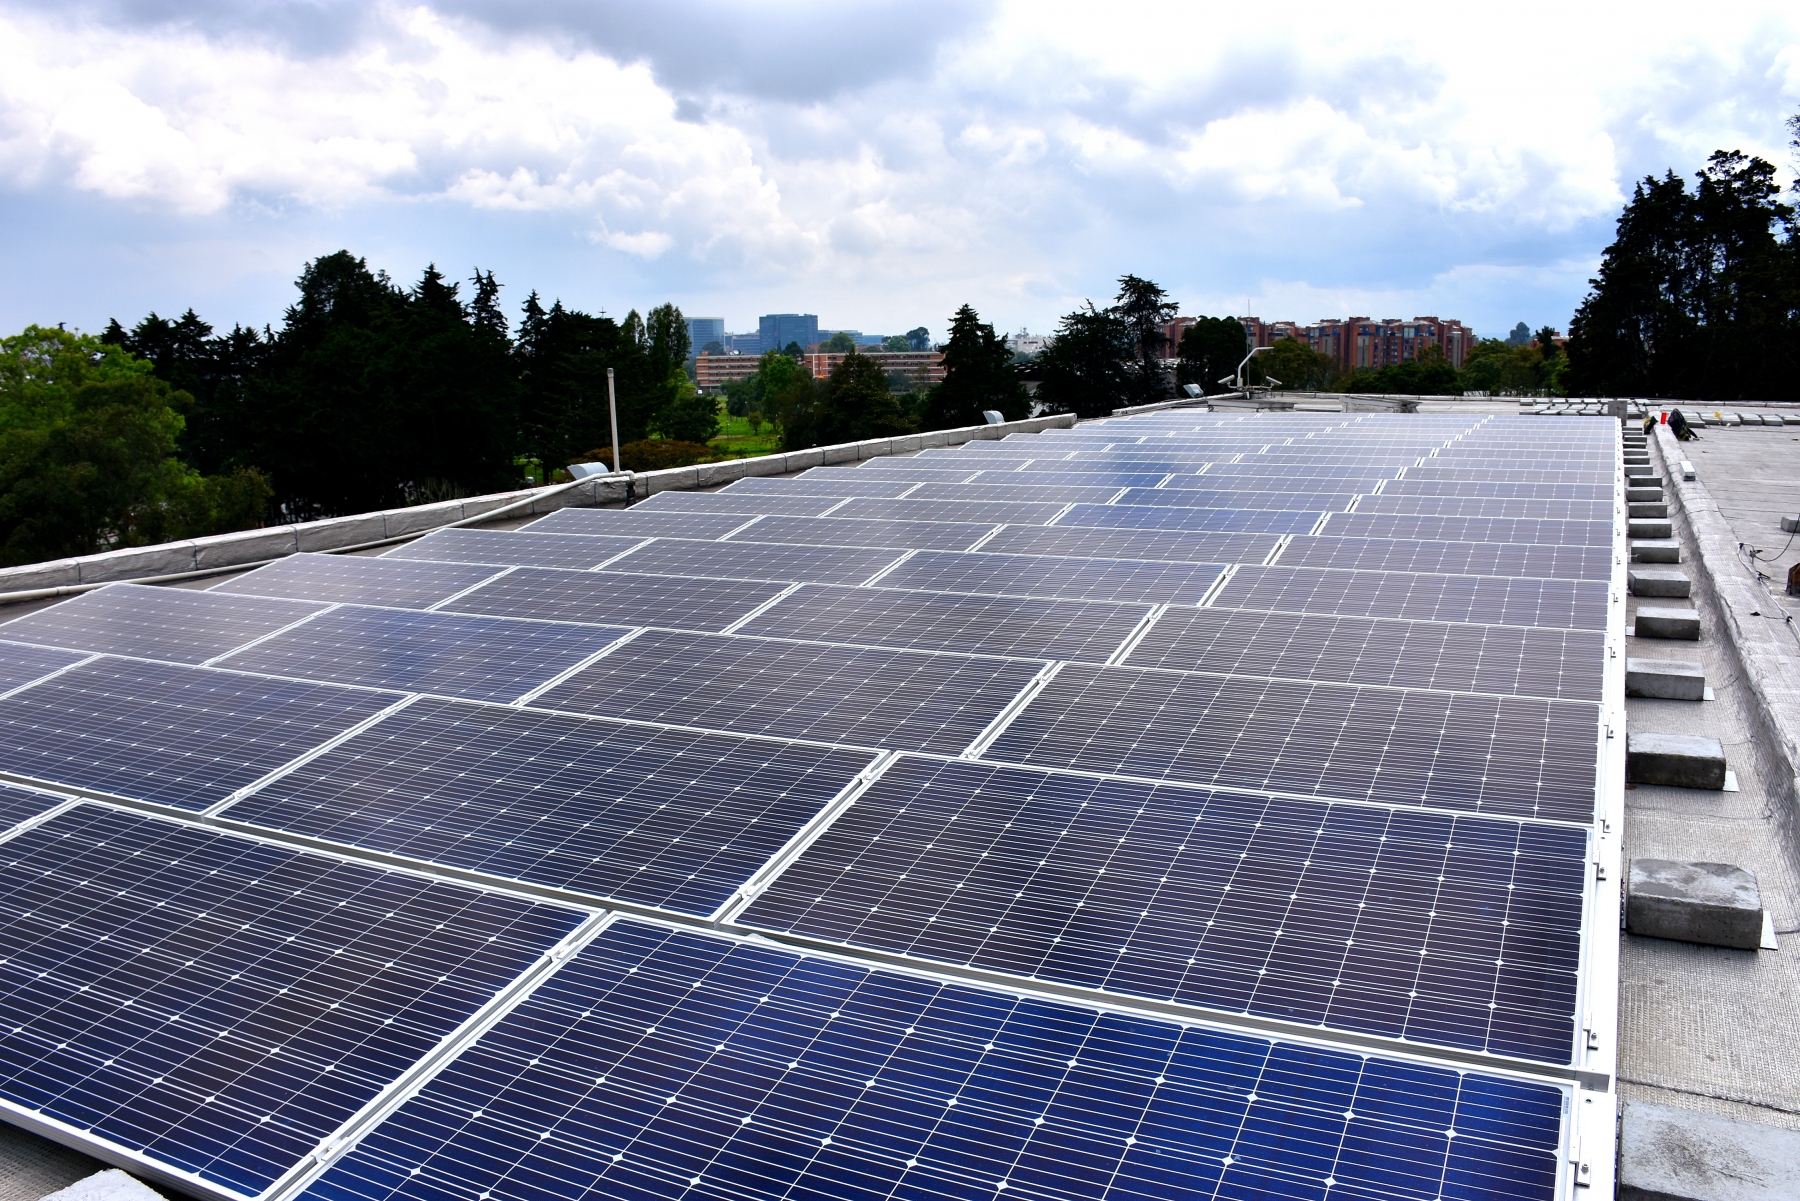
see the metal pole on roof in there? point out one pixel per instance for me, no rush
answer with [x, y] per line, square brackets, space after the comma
[612, 404]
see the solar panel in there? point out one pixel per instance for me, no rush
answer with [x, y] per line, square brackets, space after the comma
[1112, 467]
[1509, 475]
[1021, 512]
[810, 485]
[1482, 506]
[1144, 517]
[1261, 471]
[513, 548]
[477, 658]
[1179, 492]
[1450, 558]
[863, 696]
[637, 814]
[176, 624]
[618, 597]
[890, 470]
[985, 625]
[748, 503]
[1505, 660]
[222, 1005]
[632, 523]
[841, 531]
[1170, 545]
[1496, 600]
[344, 579]
[19, 804]
[20, 665]
[757, 561]
[1470, 529]
[1075, 479]
[1460, 932]
[1042, 576]
[1513, 756]
[186, 737]
[1505, 490]
[665, 1063]
[1061, 494]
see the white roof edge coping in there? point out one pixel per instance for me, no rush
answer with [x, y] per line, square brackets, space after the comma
[270, 542]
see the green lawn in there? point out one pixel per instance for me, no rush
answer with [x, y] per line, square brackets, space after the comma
[737, 441]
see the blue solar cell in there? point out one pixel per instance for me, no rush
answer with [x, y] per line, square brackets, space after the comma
[631, 523]
[1451, 931]
[864, 696]
[1043, 576]
[477, 658]
[1515, 756]
[891, 470]
[17, 804]
[616, 596]
[650, 816]
[1173, 546]
[1507, 660]
[1144, 517]
[842, 531]
[176, 624]
[515, 548]
[748, 560]
[984, 625]
[1496, 600]
[20, 665]
[1485, 506]
[1499, 489]
[810, 485]
[350, 580]
[661, 1063]
[910, 509]
[222, 1005]
[1470, 529]
[1450, 558]
[1062, 494]
[1184, 494]
[747, 503]
[1075, 479]
[186, 737]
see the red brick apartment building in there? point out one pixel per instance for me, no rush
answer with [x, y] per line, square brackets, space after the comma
[1355, 342]
[913, 362]
[713, 371]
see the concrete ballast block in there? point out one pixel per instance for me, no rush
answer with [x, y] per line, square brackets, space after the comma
[1658, 581]
[1640, 495]
[1650, 528]
[1790, 525]
[1647, 508]
[1637, 471]
[1656, 550]
[1714, 904]
[1670, 1154]
[1667, 621]
[1676, 761]
[1665, 679]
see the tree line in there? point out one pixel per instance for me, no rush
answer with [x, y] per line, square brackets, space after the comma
[1698, 297]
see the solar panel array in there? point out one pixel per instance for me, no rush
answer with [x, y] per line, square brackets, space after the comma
[1182, 805]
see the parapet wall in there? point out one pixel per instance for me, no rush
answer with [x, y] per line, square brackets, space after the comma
[337, 533]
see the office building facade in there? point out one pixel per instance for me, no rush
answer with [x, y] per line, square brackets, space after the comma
[776, 330]
[703, 330]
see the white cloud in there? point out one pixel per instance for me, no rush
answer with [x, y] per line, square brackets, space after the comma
[1020, 159]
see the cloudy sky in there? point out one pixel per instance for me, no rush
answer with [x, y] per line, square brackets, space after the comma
[875, 163]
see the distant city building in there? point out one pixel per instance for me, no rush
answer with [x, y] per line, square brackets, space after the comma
[856, 335]
[1360, 343]
[778, 329]
[713, 371]
[703, 330]
[746, 343]
[923, 366]
[1026, 342]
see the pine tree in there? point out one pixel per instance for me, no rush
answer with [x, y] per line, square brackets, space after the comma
[978, 376]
